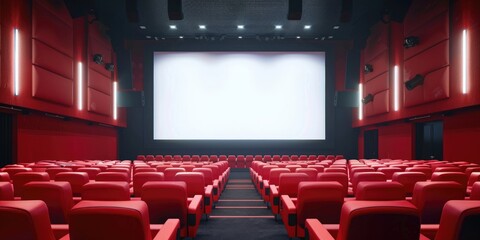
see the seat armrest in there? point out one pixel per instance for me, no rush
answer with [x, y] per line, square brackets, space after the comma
[60, 230]
[169, 230]
[429, 230]
[422, 237]
[316, 231]
[208, 190]
[288, 205]
[266, 184]
[273, 190]
[195, 204]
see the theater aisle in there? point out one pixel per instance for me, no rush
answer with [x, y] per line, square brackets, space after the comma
[241, 214]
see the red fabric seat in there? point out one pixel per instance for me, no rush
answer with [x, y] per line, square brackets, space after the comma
[106, 191]
[91, 171]
[241, 161]
[341, 178]
[408, 180]
[287, 185]
[429, 198]
[141, 178]
[171, 172]
[274, 177]
[120, 220]
[372, 220]
[4, 177]
[57, 195]
[426, 170]
[380, 191]
[459, 220]
[22, 178]
[196, 186]
[319, 200]
[475, 193]
[389, 171]
[188, 168]
[367, 176]
[6, 191]
[311, 172]
[14, 170]
[168, 199]
[208, 176]
[112, 176]
[52, 172]
[76, 180]
[458, 177]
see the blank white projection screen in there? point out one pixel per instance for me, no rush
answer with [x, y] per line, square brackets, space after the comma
[239, 96]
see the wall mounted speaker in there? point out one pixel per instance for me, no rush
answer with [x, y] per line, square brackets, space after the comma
[175, 11]
[294, 9]
[414, 82]
[368, 68]
[367, 99]
[346, 99]
[411, 41]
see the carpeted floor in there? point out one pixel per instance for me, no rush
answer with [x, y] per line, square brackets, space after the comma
[241, 214]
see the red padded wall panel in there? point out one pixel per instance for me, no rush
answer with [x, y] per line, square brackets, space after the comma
[396, 141]
[51, 60]
[99, 82]
[379, 64]
[461, 134]
[379, 105]
[377, 42]
[436, 86]
[98, 45]
[376, 85]
[422, 11]
[51, 29]
[99, 102]
[51, 87]
[433, 32]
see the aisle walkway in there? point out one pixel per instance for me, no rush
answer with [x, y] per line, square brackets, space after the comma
[241, 214]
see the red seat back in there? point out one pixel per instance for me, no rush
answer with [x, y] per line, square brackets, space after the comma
[408, 180]
[166, 200]
[141, 178]
[6, 191]
[76, 180]
[458, 177]
[389, 171]
[341, 178]
[207, 174]
[22, 178]
[475, 194]
[460, 219]
[380, 191]
[91, 171]
[171, 172]
[367, 176]
[288, 183]
[52, 172]
[311, 172]
[112, 177]
[106, 191]
[195, 182]
[320, 200]
[275, 175]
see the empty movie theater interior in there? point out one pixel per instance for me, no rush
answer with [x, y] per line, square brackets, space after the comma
[240, 119]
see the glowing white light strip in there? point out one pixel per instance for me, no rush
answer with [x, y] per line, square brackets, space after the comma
[360, 104]
[464, 62]
[115, 100]
[16, 65]
[80, 85]
[395, 89]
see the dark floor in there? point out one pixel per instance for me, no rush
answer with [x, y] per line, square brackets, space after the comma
[241, 214]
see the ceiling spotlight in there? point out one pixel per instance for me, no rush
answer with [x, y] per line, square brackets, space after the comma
[98, 58]
[316, 38]
[110, 67]
[240, 37]
[336, 27]
[278, 27]
[156, 38]
[202, 27]
[330, 37]
[181, 37]
[148, 37]
[240, 26]
[323, 38]
[142, 27]
[307, 27]
[298, 37]
[173, 26]
[163, 38]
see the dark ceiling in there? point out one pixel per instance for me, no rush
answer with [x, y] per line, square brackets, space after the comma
[123, 19]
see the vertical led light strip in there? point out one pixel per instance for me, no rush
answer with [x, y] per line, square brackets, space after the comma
[80, 85]
[464, 62]
[360, 104]
[16, 65]
[395, 89]
[115, 100]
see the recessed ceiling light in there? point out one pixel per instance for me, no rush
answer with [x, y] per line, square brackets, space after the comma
[173, 26]
[323, 38]
[180, 37]
[156, 38]
[316, 38]
[240, 37]
[202, 26]
[278, 27]
[330, 37]
[336, 27]
[148, 37]
[163, 38]
[142, 27]
[298, 37]
[307, 26]
[240, 26]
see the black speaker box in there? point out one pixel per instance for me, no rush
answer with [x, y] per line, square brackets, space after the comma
[131, 99]
[295, 9]
[346, 99]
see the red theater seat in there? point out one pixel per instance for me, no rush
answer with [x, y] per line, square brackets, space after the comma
[241, 161]
[52, 172]
[319, 200]
[208, 176]
[232, 161]
[368, 177]
[460, 219]
[389, 171]
[76, 180]
[171, 172]
[168, 199]
[341, 178]
[196, 186]
[380, 191]
[4, 177]
[188, 168]
[273, 181]
[112, 176]
[408, 180]
[26, 220]
[141, 178]
[426, 170]
[311, 172]
[22, 178]
[119, 220]
[475, 194]
[91, 171]
[287, 185]
[57, 195]
[458, 177]
[106, 191]
[14, 170]
[429, 198]
[372, 220]
[6, 191]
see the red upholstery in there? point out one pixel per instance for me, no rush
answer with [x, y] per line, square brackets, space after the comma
[470, 170]
[458, 177]
[319, 168]
[341, 178]
[22, 178]
[96, 220]
[14, 170]
[320, 200]
[459, 220]
[426, 170]
[188, 168]
[4, 177]
[274, 180]
[171, 172]
[287, 185]
[448, 169]
[293, 167]
[367, 176]
[168, 199]
[208, 176]
[121, 169]
[57, 196]
[334, 169]
[389, 171]
[429, 198]
[112, 176]
[196, 186]
[311, 172]
[475, 194]
[241, 161]
[26, 220]
[380, 191]
[373, 220]
[232, 161]
[91, 171]
[106, 191]
[408, 180]
[144, 169]
[76, 180]
[141, 178]
[6, 191]
[52, 172]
